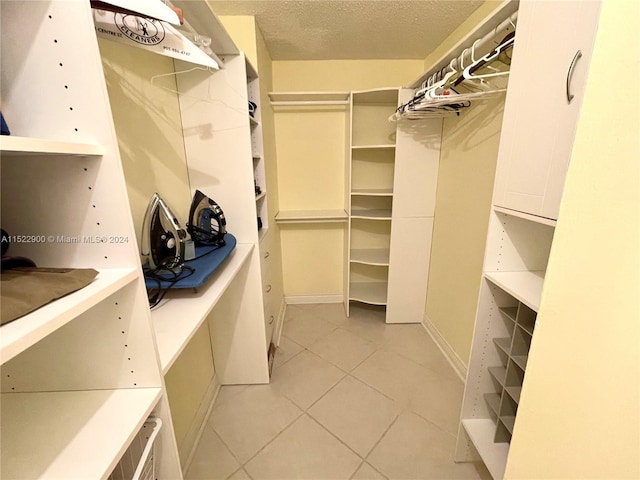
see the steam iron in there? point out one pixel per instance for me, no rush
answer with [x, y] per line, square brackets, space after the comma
[163, 240]
[207, 225]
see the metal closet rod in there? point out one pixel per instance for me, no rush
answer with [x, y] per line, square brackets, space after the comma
[482, 46]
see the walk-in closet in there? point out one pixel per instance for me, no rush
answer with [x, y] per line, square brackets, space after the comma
[320, 240]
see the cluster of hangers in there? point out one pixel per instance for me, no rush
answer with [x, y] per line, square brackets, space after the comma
[465, 79]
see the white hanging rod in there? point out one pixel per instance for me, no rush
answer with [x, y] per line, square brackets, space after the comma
[485, 37]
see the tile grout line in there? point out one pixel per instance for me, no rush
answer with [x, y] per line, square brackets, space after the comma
[378, 443]
[337, 438]
[302, 412]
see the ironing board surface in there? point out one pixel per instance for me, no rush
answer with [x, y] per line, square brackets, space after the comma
[204, 266]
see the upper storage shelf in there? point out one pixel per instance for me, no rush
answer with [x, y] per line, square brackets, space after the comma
[370, 128]
[308, 98]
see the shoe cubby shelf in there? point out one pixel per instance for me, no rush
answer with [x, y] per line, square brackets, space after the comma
[490, 407]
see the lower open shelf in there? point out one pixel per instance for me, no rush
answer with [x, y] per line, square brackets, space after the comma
[22, 333]
[70, 435]
[373, 293]
[481, 431]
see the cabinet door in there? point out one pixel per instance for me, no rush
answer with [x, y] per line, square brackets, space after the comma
[539, 121]
[408, 269]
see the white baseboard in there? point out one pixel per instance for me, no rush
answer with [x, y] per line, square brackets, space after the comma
[300, 299]
[280, 322]
[188, 448]
[449, 353]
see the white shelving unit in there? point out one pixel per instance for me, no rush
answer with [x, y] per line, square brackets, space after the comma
[226, 166]
[257, 149]
[392, 179]
[80, 375]
[515, 261]
[532, 165]
[370, 181]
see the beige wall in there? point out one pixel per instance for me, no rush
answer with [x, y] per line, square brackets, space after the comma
[149, 128]
[243, 31]
[463, 201]
[579, 413]
[312, 159]
[187, 381]
[343, 75]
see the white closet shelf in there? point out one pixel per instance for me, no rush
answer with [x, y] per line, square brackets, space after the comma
[503, 343]
[308, 98]
[70, 435]
[261, 196]
[510, 312]
[374, 147]
[373, 192]
[182, 312]
[499, 373]
[493, 400]
[12, 146]
[311, 216]
[521, 361]
[380, 96]
[481, 432]
[514, 392]
[372, 214]
[508, 421]
[524, 286]
[374, 293]
[17, 336]
[527, 216]
[371, 256]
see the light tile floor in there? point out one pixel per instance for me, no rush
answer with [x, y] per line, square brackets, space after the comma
[349, 398]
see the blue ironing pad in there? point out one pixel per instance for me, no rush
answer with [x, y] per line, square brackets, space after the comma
[204, 266]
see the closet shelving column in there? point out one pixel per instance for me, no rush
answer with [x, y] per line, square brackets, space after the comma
[80, 375]
[515, 262]
[532, 165]
[371, 172]
[302, 101]
[257, 150]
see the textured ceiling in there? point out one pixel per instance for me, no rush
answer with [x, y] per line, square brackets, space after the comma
[351, 29]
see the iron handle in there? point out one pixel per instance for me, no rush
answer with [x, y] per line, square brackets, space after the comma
[577, 57]
[268, 289]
